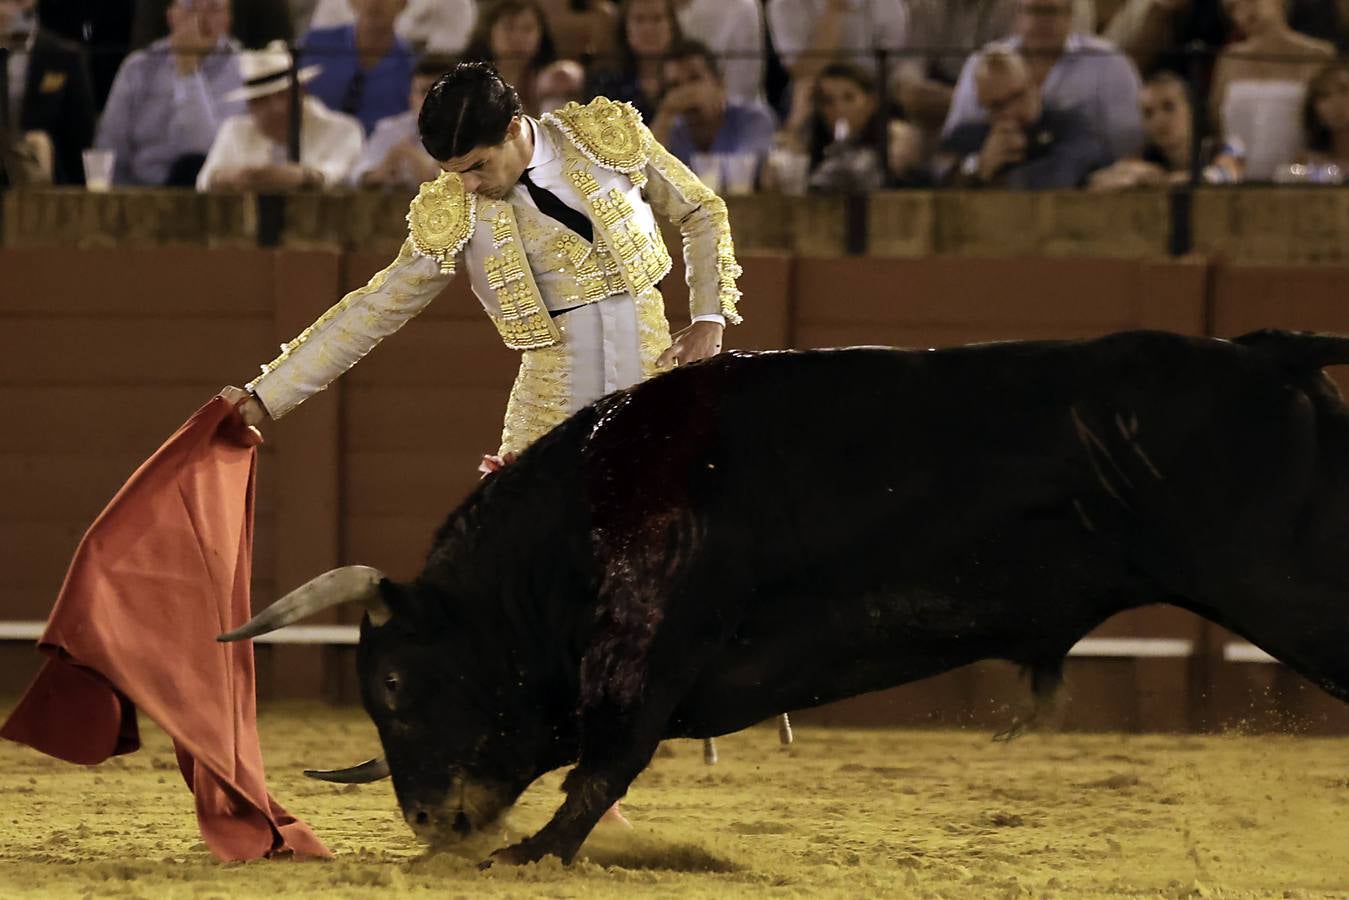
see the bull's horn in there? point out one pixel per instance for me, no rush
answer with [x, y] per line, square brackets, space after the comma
[348, 584]
[366, 772]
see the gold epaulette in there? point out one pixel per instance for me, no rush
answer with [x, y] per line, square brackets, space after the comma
[611, 135]
[441, 219]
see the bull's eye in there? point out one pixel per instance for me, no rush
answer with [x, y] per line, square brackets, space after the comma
[391, 683]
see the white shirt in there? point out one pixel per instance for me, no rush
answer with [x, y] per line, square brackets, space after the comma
[430, 26]
[870, 25]
[329, 142]
[734, 31]
[389, 132]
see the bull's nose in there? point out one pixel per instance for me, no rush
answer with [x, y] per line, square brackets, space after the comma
[461, 824]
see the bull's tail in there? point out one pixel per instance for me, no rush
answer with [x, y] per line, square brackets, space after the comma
[1298, 350]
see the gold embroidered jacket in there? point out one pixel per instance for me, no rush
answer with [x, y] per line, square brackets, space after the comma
[521, 263]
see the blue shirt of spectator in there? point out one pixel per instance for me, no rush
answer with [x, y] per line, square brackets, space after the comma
[746, 128]
[695, 115]
[343, 85]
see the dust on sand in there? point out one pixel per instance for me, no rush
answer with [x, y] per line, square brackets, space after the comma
[841, 813]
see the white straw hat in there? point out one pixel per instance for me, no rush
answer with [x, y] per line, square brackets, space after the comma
[267, 71]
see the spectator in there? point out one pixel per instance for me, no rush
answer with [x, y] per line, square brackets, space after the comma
[940, 36]
[365, 69]
[254, 23]
[394, 155]
[1155, 33]
[168, 100]
[646, 31]
[48, 90]
[102, 27]
[809, 34]
[1167, 110]
[560, 83]
[513, 36]
[1071, 71]
[734, 31]
[1325, 117]
[695, 115]
[583, 29]
[249, 153]
[1018, 142]
[1260, 84]
[427, 26]
[846, 133]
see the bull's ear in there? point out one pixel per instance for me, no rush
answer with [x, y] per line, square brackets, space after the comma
[364, 773]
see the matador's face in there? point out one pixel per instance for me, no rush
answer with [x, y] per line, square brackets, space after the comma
[491, 171]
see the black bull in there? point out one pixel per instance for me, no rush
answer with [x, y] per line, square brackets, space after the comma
[766, 532]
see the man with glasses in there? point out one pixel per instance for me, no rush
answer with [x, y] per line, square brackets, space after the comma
[1072, 71]
[1020, 144]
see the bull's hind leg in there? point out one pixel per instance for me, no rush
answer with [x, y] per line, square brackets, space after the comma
[628, 697]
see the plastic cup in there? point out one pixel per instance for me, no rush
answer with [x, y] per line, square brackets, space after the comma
[98, 165]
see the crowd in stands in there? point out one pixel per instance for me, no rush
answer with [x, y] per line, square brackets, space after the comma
[820, 95]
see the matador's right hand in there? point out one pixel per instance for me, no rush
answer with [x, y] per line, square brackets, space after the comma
[248, 406]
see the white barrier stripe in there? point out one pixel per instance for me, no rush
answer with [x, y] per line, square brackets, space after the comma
[1136, 648]
[1243, 652]
[1118, 648]
[291, 634]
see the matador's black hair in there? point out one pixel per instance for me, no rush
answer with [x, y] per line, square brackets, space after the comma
[469, 106]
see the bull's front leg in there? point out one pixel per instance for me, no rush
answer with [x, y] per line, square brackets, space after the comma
[598, 781]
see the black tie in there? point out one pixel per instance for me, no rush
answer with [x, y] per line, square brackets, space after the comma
[551, 206]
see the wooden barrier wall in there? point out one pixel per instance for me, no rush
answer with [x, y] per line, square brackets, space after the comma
[109, 352]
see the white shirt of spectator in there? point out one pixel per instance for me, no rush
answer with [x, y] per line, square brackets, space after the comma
[329, 142]
[389, 132]
[429, 26]
[870, 25]
[734, 31]
[1092, 77]
[1266, 116]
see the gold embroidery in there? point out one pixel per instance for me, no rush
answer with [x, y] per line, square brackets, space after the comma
[540, 398]
[441, 219]
[375, 283]
[653, 332]
[522, 320]
[695, 192]
[610, 134]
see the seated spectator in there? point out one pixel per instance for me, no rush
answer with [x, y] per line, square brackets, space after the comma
[426, 26]
[941, 35]
[253, 23]
[1070, 70]
[583, 29]
[847, 134]
[1260, 84]
[1018, 142]
[168, 100]
[49, 91]
[1168, 126]
[1156, 33]
[734, 31]
[646, 31]
[810, 34]
[1326, 118]
[394, 155]
[250, 152]
[695, 115]
[365, 69]
[513, 36]
[560, 83]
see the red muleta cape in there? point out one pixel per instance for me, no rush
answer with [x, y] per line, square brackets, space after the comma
[162, 571]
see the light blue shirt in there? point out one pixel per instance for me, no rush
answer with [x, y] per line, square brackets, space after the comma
[155, 115]
[747, 128]
[1092, 78]
[389, 132]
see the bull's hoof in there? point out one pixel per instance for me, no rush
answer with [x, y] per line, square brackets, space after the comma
[515, 855]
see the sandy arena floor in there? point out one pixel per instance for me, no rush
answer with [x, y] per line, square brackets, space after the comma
[842, 813]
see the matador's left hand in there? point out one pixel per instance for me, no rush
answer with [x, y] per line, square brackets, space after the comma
[699, 341]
